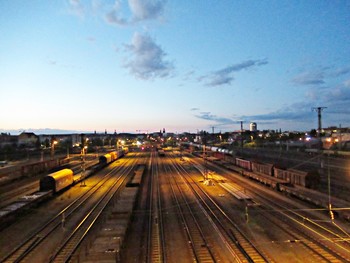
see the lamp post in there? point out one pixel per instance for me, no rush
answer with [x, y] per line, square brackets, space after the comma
[83, 155]
[53, 143]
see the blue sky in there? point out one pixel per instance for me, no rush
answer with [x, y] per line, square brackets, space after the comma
[179, 65]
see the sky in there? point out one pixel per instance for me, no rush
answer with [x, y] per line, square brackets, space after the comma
[185, 66]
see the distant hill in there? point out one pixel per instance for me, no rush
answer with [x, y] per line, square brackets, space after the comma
[41, 131]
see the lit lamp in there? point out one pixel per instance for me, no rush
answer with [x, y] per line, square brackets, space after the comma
[53, 143]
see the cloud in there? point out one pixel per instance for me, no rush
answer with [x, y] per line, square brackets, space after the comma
[114, 16]
[52, 62]
[309, 78]
[91, 39]
[347, 83]
[300, 111]
[225, 76]
[141, 10]
[218, 120]
[341, 71]
[327, 87]
[146, 9]
[188, 75]
[320, 76]
[295, 113]
[76, 8]
[338, 94]
[147, 60]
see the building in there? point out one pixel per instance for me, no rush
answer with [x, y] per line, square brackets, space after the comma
[253, 127]
[8, 140]
[27, 139]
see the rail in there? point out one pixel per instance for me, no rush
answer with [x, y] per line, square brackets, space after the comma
[249, 251]
[38, 236]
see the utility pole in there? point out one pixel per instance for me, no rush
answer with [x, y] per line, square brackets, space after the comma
[319, 115]
[339, 142]
[242, 136]
[82, 159]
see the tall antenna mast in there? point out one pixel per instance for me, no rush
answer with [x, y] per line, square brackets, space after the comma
[319, 114]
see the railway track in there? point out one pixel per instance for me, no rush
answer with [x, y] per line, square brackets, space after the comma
[314, 235]
[155, 240]
[11, 193]
[198, 243]
[242, 249]
[38, 237]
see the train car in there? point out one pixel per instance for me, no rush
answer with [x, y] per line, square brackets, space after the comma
[57, 181]
[264, 168]
[125, 150]
[266, 179]
[110, 157]
[308, 179]
[214, 149]
[105, 159]
[120, 153]
[279, 173]
[113, 156]
[244, 164]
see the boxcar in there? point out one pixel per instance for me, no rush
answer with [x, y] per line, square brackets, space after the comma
[57, 181]
[307, 179]
[104, 159]
[244, 164]
[113, 156]
[264, 168]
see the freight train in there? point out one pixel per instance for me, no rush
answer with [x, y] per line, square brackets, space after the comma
[285, 180]
[57, 181]
[308, 179]
[265, 172]
[32, 169]
[50, 184]
[64, 178]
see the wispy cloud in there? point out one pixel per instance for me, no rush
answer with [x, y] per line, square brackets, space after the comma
[335, 98]
[319, 77]
[147, 60]
[341, 71]
[216, 119]
[226, 75]
[300, 111]
[91, 39]
[309, 78]
[294, 114]
[329, 87]
[76, 8]
[347, 83]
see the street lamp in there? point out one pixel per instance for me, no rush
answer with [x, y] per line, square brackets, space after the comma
[83, 155]
[53, 143]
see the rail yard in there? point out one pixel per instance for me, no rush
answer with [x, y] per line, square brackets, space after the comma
[174, 205]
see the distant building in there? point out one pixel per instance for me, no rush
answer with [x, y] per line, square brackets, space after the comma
[27, 139]
[253, 127]
[8, 140]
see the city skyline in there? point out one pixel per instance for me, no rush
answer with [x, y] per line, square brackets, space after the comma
[129, 66]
